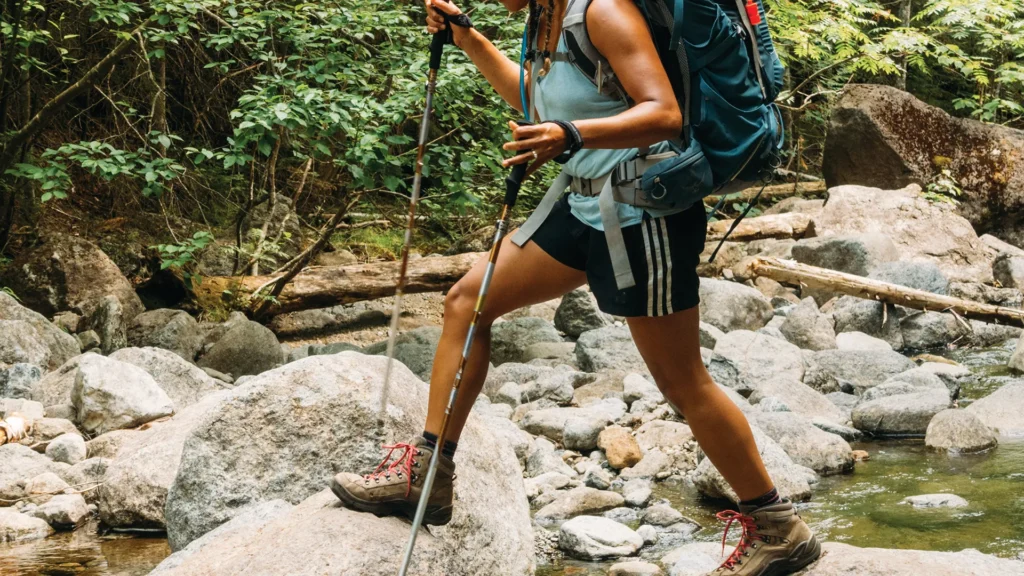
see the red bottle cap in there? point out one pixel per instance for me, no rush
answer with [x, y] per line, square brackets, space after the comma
[753, 13]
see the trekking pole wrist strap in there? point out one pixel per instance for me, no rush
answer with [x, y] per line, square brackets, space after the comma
[573, 140]
[460, 20]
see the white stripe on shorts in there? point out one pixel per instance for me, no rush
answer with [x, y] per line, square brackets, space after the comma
[663, 226]
[660, 266]
[646, 233]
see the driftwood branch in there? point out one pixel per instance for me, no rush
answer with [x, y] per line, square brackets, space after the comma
[803, 275]
[788, 225]
[323, 286]
[775, 192]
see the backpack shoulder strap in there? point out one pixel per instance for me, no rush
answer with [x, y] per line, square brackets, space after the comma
[583, 55]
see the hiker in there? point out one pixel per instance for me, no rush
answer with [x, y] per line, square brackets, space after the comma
[567, 243]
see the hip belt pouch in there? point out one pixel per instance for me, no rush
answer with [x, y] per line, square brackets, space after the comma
[677, 182]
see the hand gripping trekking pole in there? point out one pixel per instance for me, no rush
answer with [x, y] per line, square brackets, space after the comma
[512, 184]
[436, 49]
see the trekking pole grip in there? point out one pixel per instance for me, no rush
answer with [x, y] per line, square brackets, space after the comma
[437, 47]
[513, 183]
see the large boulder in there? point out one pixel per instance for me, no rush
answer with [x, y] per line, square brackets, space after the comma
[608, 348]
[18, 464]
[882, 136]
[959, 431]
[1003, 410]
[247, 348]
[174, 330]
[109, 395]
[731, 306]
[807, 445]
[900, 414]
[851, 253]
[143, 467]
[283, 435]
[183, 381]
[69, 273]
[414, 348]
[917, 274]
[18, 527]
[47, 340]
[760, 357]
[798, 397]
[578, 312]
[319, 321]
[923, 330]
[510, 339]
[856, 370]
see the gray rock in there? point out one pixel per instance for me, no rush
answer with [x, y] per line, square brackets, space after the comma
[637, 568]
[542, 459]
[67, 448]
[174, 330]
[86, 475]
[21, 342]
[510, 339]
[16, 381]
[695, 559]
[636, 387]
[593, 537]
[557, 386]
[89, 341]
[61, 345]
[772, 404]
[955, 376]
[637, 492]
[325, 418]
[109, 395]
[858, 370]
[1008, 270]
[662, 515]
[578, 313]
[722, 370]
[900, 415]
[843, 400]
[1002, 409]
[654, 464]
[597, 478]
[808, 328]
[608, 348]
[18, 527]
[860, 341]
[959, 431]
[935, 501]
[709, 334]
[1017, 358]
[623, 515]
[414, 348]
[924, 330]
[552, 422]
[63, 512]
[218, 375]
[46, 429]
[807, 445]
[581, 432]
[855, 253]
[246, 348]
[511, 394]
[183, 381]
[985, 335]
[978, 292]
[791, 479]
[649, 534]
[18, 463]
[844, 432]
[28, 409]
[917, 274]
[579, 501]
[662, 434]
[852, 314]
[731, 306]
[321, 321]
[760, 357]
[798, 398]
[43, 487]
[109, 322]
[143, 466]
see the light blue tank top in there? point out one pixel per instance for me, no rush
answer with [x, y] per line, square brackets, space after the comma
[564, 93]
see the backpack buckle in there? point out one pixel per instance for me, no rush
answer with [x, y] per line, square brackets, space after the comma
[626, 172]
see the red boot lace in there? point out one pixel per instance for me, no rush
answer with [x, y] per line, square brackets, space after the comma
[747, 539]
[402, 464]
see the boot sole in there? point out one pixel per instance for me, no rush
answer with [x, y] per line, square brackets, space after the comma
[802, 556]
[434, 516]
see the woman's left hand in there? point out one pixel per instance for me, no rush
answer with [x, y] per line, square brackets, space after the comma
[543, 141]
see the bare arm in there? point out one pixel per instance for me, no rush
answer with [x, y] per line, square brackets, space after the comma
[501, 72]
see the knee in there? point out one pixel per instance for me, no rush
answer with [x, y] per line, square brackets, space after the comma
[460, 302]
[683, 386]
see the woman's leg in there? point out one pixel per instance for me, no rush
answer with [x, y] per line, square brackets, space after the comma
[522, 276]
[670, 345]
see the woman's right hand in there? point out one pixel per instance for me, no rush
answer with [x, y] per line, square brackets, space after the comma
[436, 22]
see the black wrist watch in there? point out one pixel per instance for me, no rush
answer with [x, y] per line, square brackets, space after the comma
[573, 140]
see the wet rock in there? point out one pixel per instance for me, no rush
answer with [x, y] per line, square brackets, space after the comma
[593, 537]
[183, 381]
[807, 445]
[579, 501]
[69, 273]
[662, 515]
[109, 395]
[760, 357]
[935, 501]
[18, 527]
[67, 448]
[1002, 409]
[510, 339]
[63, 512]
[619, 447]
[578, 313]
[16, 381]
[174, 330]
[282, 433]
[900, 415]
[923, 330]
[959, 431]
[791, 479]
[623, 515]
[608, 348]
[637, 568]
[732, 306]
[858, 370]
[860, 341]
[246, 348]
[852, 314]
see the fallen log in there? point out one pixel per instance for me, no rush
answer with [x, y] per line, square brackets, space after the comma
[324, 286]
[794, 273]
[774, 192]
[788, 225]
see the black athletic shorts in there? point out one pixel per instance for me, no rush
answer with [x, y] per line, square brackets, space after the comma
[663, 253]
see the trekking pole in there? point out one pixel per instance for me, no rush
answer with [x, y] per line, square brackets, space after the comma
[436, 48]
[512, 184]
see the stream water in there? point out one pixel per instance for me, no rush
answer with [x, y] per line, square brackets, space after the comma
[862, 508]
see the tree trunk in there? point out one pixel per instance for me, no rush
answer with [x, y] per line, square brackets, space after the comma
[904, 14]
[803, 275]
[775, 192]
[323, 286]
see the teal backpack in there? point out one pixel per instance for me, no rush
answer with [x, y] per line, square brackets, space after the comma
[722, 63]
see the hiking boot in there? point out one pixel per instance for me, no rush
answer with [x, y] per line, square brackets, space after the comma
[395, 486]
[775, 542]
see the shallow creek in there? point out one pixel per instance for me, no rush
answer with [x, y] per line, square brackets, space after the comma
[861, 508]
